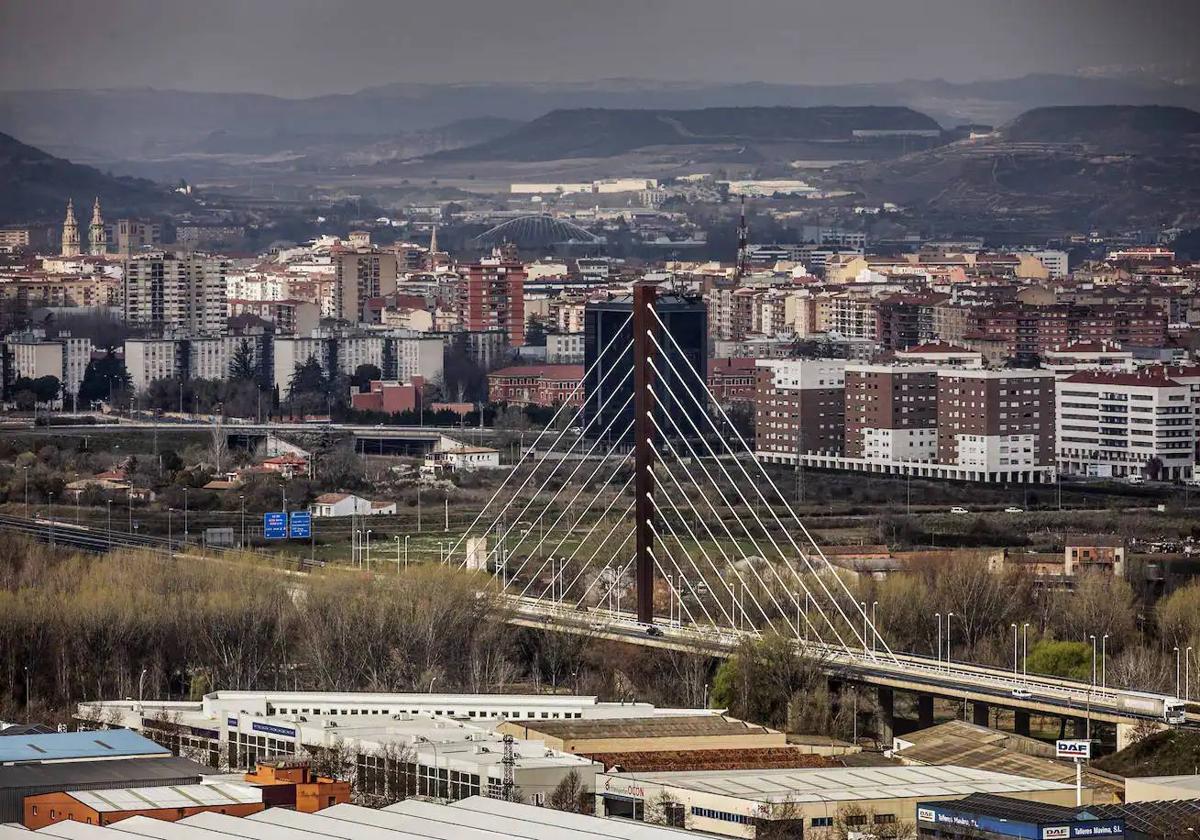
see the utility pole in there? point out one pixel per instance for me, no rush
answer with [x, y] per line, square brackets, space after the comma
[643, 447]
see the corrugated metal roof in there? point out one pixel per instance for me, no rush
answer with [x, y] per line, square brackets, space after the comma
[847, 784]
[172, 796]
[515, 811]
[648, 727]
[71, 775]
[149, 827]
[60, 746]
[394, 821]
[248, 829]
[329, 827]
[526, 821]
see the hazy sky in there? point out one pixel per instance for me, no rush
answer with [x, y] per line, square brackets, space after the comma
[310, 47]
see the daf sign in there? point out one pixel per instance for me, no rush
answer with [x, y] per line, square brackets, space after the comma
[1073, 749]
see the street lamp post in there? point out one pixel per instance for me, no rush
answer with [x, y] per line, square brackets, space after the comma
[108, 502]
[938, 616]
[170, 511]
[1025, 651]
[1176, 670]
[242, 511]
[1014, 627]
[1092, 636]
[1104, 661]
[406, 536]
[185, 513]
[26, 491]
[863, 605]
[949, 616]
[368, 549]
[874, 624]
[1187, 673]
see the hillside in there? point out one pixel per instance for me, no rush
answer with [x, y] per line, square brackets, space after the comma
[1051, 168]
[1110, 127]
[1169, 753]
[35, 185]
[602, 132]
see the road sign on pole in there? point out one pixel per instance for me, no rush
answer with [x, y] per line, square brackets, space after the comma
[300, 525]
[275, 525]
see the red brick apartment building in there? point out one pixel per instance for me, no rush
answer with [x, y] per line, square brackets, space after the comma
[732, 380]
[996, 421]
[800, 407]
[891, 412]
[545, 385]
[492, 297]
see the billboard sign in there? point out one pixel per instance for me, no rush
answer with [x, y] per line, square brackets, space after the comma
[275, 526]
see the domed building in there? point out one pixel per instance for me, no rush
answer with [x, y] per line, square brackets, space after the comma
[537, 232]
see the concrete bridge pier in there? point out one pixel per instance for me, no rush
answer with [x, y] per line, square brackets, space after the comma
[887, 715]
[1021, 722]
[924, 711]
[1080, 725]
[981, 713]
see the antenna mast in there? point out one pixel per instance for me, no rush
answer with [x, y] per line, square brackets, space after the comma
[743, 252]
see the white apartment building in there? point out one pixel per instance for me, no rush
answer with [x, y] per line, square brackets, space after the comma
[148, 359]
[564, 349]
[176, 292]
[397, 356]
[1116, 424]
[1055, 262]
[65, 358]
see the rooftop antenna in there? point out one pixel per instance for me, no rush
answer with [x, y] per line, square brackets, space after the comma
[743, 252]
[508, 763]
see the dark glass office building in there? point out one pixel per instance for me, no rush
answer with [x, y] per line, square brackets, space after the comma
[608, 336]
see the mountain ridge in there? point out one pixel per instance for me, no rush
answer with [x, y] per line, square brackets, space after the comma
[36, 185]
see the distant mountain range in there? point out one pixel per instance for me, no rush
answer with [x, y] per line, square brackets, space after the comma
[145, 124]
[35, 185]
[1050, 168]
[599, 132]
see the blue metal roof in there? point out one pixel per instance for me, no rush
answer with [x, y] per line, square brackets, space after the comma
[61, 746]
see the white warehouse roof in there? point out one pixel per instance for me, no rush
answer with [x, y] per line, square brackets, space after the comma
[845, 784]
[477, 818]
[181, 796]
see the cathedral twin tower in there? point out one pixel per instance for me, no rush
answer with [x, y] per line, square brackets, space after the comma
[97, 233]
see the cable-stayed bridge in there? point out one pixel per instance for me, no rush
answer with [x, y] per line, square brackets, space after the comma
[641, 514]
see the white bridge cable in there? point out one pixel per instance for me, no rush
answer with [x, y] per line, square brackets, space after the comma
[784, 614]
[783, 555]
[571, 529]
[801, 615]
[620, 572]
[803, 555]
[579, 465]
[595, 551]
[671, 586]
[729, 563]
[533, 447]
[504, 537]
[660, 539]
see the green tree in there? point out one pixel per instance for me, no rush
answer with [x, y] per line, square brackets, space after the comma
[242, 367]
[364, 375]
[1061, 659]
[102, 379]
[308, 378]
[47, 388]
